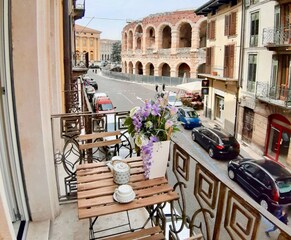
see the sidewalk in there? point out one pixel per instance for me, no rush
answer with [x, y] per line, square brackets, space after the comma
[245, 150]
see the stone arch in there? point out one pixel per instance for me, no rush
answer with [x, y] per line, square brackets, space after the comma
[130, 39]
[150, 69]
[124, 43]
[165, 36]
[185, 35]
[183, 68]
[201, 68]
[91, 56]
[150, 37]
[77, 56]
[125, 67]
[130, 68]
[138, 36]
[138, 68]
[164, 70]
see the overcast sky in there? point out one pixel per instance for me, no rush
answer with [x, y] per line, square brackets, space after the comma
[110, 16]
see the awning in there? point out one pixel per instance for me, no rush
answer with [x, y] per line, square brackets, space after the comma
[191, 87]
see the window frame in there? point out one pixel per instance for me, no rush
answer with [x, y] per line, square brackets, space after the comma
[252, 78]
[254, 29]
[211, 29]
[230, 24]
[228, 60]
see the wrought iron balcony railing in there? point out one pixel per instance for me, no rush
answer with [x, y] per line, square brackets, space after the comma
[209, 203]
[277, 95]
[80, 59]
[276, 37]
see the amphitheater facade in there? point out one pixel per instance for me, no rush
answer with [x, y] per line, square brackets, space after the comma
[165, 44]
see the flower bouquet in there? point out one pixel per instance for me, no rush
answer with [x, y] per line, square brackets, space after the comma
[156, 121]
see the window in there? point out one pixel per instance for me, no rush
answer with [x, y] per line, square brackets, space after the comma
[228, 61]
[211, 30]
[209, 56]
[274, 76]
[84, 41]
[263, 178]
[77, 41]
[251, 169]
[91, 42]
[252, 72]
[230, 24]
[254, 29]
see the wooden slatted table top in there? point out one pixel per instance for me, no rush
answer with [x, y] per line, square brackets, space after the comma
[101, 135]
[95, 188]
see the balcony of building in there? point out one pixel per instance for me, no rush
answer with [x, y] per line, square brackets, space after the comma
[79, 9]
[277, 39]
[276, 95]
[209, 203]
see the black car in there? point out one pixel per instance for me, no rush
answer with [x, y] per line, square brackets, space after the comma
[267, 181]
[218, 143]
[90, 81]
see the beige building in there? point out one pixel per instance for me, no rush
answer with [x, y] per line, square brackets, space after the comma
[164, 44]
[265, 95]
[106, 49]
[222, 60]
[87, 41]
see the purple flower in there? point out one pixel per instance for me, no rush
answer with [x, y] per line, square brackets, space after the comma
[156, 110]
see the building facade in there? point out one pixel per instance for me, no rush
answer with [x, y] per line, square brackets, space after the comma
[32, 84]
[87, 42]
[222, 60]
[265, 109]
[164, 44]
[106, 49]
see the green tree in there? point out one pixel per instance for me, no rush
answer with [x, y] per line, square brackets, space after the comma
[116, 52]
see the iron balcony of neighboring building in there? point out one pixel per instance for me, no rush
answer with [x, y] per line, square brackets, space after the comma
[278, 40]
[79, 10]
[274, 95]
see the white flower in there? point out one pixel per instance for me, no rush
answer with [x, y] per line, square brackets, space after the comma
[149, 124]
[140, 140]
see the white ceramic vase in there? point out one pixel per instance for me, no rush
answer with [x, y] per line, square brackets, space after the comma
[160, 158]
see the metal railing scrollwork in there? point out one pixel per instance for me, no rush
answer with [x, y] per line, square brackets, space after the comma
[211, 206]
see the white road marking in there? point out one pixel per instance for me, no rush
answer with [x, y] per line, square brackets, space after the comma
[126, 98]
[139, 98]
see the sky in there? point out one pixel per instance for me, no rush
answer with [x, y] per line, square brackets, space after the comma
[111, 16]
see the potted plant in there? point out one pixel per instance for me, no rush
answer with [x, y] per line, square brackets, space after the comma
[150, 125]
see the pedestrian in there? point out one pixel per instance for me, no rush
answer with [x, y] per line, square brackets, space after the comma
[282, 215]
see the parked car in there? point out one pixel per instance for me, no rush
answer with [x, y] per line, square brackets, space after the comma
[173, 99]
[102, 103]
[90, 81]
[189, 117]
[267, 181]
[219, 144]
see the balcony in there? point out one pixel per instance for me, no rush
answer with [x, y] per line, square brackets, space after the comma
[209, 202]
[276, 39]
[79, 9]
[275, 95]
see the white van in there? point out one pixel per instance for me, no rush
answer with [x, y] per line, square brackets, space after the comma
[173, 100]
